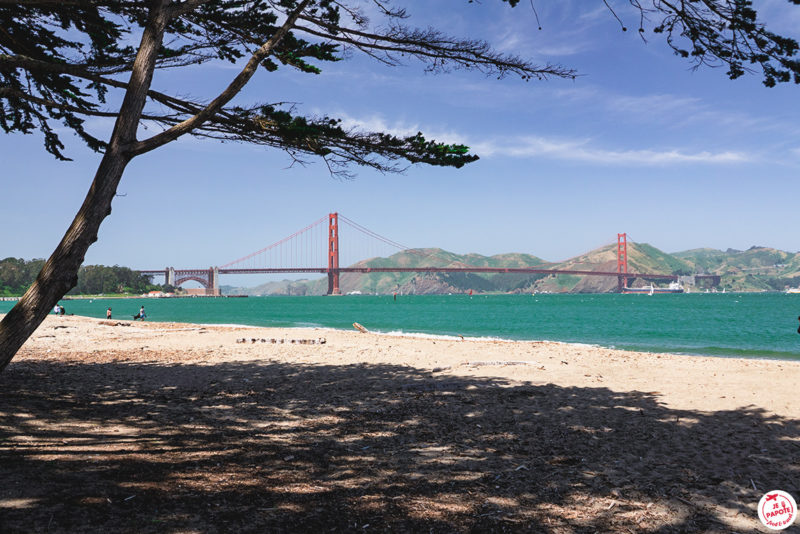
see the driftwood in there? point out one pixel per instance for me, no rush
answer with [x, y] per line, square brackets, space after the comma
[360, 328]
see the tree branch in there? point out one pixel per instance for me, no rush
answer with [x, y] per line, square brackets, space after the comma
[435, 47]
[232, 90]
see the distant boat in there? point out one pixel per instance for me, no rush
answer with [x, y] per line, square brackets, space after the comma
[793, 290]
[674, 287]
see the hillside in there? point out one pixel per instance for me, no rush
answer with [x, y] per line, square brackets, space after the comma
[755, 269]
[642, 258]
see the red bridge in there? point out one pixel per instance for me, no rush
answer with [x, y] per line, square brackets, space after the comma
[318, 244]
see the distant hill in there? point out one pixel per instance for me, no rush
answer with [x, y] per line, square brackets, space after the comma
[755, 269]
[284, 287]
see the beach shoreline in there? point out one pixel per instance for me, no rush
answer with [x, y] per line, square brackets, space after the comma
[682, 381]
[356, 428]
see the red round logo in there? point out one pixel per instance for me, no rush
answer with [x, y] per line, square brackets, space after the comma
[777, 510]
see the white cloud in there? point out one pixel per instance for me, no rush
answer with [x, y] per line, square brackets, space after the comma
[582, 151]
[376, 123]
[682, 112]
[543, 147]
[655, 104]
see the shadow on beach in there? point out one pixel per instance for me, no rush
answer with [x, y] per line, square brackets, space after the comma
[265, 446]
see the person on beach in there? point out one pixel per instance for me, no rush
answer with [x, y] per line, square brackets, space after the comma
[798, 328]
[61, 310]
[141, 315]
[57, 309]
[108, 313]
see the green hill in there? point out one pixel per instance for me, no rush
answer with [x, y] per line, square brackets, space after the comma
[755, 269]
[642, 258]
[421, 283]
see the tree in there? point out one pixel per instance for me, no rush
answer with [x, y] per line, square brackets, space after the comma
[66, 60]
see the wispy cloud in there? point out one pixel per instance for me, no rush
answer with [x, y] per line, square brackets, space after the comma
[376, 123]
[583, 151]
[661, 104]
[681, 112]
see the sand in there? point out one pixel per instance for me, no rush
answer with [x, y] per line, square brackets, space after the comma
[186, 428]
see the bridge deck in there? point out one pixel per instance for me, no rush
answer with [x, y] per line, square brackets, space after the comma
[365, 270]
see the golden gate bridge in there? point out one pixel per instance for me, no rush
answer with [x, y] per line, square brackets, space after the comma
[316, 249]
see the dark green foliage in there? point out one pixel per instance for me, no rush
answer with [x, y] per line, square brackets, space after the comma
[61, 61]
[16, 275]
[467, 281]
[726, 33]
[779, 284]
[58, 62]
[100, 279]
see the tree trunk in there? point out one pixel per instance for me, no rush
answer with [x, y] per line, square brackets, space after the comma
[60, 272]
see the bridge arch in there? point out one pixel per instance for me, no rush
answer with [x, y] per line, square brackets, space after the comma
[202, 280]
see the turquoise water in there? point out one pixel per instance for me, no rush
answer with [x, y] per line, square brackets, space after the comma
[762, 325]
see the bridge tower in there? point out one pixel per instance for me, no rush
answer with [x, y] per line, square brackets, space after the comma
[622, 261]
[333, 254]
[213, 281]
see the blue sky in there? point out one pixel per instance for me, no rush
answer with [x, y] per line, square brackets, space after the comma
[639, 143]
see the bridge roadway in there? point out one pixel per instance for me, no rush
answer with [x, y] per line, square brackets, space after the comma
[514, 270]
[366, 270]
[209, 278]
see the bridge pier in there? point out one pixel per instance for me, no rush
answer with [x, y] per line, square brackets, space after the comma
[213, 277]
[622, 281]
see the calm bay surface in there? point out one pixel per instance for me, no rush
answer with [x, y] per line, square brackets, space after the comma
[755, 325]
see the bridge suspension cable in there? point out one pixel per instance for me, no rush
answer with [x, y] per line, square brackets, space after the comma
[309, 234]
[388, 241]
[316, 249]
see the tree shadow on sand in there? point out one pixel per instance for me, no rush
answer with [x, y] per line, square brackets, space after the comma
[276, 447]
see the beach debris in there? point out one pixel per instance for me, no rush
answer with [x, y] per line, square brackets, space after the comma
[360, 328]
[107, 323]
[499, 363]
[440, 369]
[318, 341]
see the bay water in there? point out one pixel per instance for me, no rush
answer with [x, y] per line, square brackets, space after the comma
[754, 325]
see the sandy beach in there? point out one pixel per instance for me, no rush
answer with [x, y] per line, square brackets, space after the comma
[155, 427]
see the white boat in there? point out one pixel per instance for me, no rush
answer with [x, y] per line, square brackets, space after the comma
[674, 287]
[793, 290]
